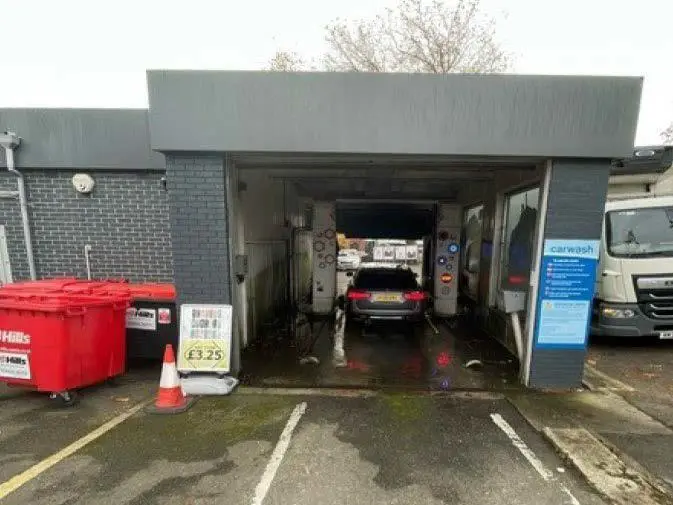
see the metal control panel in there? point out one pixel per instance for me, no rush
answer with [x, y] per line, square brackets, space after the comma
[447, 259]
[324, 257]
[512, 301]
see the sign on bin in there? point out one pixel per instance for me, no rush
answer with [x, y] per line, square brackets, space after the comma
[164, 316]
[205, 338]
[141, 319]
[14, 365]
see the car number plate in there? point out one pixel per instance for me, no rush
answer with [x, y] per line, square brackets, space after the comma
[388, 297]
[666, 335]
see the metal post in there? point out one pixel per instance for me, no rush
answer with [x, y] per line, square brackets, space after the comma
[535, 272]
[87, 258]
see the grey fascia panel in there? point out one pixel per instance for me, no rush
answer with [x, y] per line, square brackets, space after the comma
[471, 115]
[81, 138]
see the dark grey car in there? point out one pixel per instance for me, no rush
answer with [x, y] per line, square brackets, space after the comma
[385, 294]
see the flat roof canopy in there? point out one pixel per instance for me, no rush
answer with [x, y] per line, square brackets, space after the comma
[115, 139]
[455, 115]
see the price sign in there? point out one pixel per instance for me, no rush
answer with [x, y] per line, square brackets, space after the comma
[205, 338]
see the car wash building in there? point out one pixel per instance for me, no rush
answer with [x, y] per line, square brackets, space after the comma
[234, 185]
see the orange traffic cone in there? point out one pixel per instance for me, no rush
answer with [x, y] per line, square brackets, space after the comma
[170, 398]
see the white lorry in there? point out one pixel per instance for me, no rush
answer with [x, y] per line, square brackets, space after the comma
[634, 283]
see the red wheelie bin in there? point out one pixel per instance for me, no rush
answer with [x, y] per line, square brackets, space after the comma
[59, 343]
[151, 321]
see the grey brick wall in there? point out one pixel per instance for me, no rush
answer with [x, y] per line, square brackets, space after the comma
[125, 220]
[574, 211]
[200, 228]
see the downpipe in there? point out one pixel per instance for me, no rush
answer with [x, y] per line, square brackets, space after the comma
[9, 142]
[87, 259]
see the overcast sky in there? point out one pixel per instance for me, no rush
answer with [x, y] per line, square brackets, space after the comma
[93, 53]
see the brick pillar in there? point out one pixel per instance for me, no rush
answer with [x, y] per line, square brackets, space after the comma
[576, 193]
[199, 228]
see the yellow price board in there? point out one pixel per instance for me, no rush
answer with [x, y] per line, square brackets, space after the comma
[204, 355]
[205, 338]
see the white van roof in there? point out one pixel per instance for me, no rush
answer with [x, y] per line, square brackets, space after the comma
[639, 203]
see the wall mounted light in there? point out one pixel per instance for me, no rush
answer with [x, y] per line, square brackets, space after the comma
[83, 183]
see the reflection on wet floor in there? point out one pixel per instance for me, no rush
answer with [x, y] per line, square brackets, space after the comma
[386, 356]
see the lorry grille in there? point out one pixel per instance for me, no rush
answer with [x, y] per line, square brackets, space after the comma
[655, 296]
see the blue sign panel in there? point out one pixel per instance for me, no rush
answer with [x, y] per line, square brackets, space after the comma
[565, 293]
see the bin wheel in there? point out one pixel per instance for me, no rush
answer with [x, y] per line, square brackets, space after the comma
[112, 382]
[65, 398]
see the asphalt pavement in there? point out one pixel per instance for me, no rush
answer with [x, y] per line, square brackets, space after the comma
[645, 368]
[32, 427]
[289, 449]
[646, 365]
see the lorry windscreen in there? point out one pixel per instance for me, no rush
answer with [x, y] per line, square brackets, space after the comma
[640, 233]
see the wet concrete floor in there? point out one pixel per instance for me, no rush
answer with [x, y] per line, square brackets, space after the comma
[385, 356]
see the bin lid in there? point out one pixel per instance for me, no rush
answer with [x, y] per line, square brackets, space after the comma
[110, 287]
[85, 287]
[60, 302]
[150, 291]
[44, 285]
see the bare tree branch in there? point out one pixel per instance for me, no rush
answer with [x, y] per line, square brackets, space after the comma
[286, 61]
[434, 36]
[430, 36]
[667, 135]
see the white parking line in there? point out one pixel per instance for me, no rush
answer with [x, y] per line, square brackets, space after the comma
[571, 497]
[527, 452]
[19, 480]
[523, 448]
[429, 321]
[278, 453]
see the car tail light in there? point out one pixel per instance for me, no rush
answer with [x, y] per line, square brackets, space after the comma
[356, 294]
[414, 296]
[517, 279]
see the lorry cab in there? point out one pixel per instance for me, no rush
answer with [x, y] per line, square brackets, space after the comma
[634, 282]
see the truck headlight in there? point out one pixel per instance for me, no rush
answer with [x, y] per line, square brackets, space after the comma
[617, 313]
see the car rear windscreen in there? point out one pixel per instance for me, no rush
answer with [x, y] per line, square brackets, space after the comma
[387, 279]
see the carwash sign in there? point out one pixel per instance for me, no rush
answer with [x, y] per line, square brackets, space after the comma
[565, 293]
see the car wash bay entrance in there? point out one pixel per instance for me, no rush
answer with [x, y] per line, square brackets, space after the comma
[372, 197]
[261, 167]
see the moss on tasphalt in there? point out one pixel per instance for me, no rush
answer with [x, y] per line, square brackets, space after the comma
[202, 433]
[405, 406]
